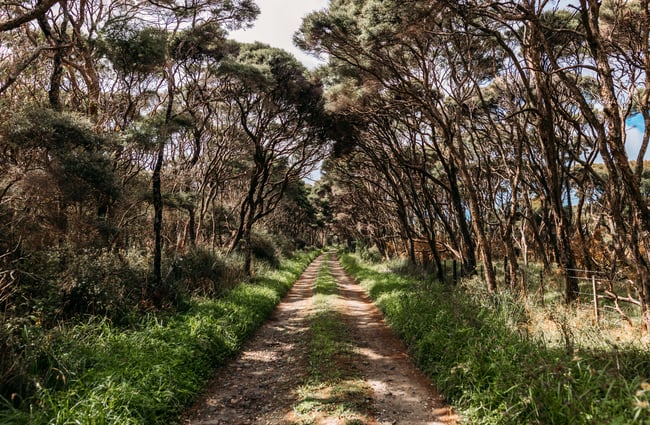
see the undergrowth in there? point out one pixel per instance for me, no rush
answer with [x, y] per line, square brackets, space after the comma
[494, 374]
[99, 373]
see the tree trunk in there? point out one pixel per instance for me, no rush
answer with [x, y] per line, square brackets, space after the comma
[160, 294]
[513, 261]
[248, 253]
[553, 170]
[482, 245]
[191, 227]
[469, 262]
[412, 257]
[440, 272]
[54, 93]
[158, 217]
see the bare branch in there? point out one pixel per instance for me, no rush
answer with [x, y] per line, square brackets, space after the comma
[35, 13]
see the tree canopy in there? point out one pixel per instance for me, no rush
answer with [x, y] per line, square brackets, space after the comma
[478, 131]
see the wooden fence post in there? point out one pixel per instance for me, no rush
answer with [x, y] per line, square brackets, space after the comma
[455, 272]
[593, 286]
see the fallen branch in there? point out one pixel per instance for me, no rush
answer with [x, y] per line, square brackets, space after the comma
[612, 296]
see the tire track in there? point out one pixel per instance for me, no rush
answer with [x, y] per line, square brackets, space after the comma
[261, 385]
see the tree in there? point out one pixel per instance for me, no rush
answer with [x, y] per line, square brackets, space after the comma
[462, 81]
[399, 50]
[62, 149]
[280, 111]
[141, 51]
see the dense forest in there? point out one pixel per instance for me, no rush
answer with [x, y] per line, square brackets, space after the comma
[489, 131]
[146, 158]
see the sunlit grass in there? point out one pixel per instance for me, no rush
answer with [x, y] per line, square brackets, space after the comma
[476, 348]
[333, 387]
[148, 373]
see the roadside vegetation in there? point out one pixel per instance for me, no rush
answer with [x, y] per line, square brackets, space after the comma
[149, 370]
[478, 350]
[139, 186]
[333, 387]
[148, 166]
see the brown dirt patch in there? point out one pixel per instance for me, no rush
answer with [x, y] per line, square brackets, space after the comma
[261, 385]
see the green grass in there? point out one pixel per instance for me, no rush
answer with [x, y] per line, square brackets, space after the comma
[492, 373]
[327, 331]
[333, 387]
[102, 374]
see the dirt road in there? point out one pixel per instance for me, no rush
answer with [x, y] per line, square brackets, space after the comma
[262, 385]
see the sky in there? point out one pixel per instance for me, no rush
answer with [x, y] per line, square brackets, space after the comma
[280, 19]
[276, 24]
[635, 130]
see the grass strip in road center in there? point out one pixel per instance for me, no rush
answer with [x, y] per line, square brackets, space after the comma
[334, 387]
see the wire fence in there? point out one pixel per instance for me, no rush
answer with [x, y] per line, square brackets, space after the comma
[603, 291]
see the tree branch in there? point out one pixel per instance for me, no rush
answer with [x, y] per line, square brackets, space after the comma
[39, 10]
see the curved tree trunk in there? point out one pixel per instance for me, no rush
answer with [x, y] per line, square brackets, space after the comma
[158, 217]
[469, 260]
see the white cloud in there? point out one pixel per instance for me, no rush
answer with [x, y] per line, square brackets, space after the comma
[277, 22]
[633, 143]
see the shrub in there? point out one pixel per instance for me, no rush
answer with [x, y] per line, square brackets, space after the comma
[264, 248]
[370, 254]
[285, 245]
[103, 283]
[14, 381]
[26, 358]
[205, 272]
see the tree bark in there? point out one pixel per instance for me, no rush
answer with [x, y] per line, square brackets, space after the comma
[158, 216]
[41, 8]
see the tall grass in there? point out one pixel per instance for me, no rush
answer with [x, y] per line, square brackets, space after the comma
[494, 373]
[148, 373]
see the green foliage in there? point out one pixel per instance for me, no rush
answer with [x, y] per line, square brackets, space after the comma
[20, 342]
[205, 272]
[36, 127]
[264, 248]
[207, 40]
[285, 245]
[496, 375]
[562, 28]
[371, 254]
[75, 161]
[235, 14]
[99, 373]
[104, 283]
[276, 75]
[88, 173]
[155, 128]
[132, 47]
[60, 284]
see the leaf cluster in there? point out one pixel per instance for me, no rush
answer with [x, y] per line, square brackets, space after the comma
[134, 48]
